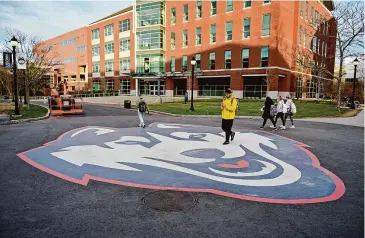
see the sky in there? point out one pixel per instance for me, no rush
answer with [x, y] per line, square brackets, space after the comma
[47, 19]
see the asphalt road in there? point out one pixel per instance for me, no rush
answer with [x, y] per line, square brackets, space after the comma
[36, 204]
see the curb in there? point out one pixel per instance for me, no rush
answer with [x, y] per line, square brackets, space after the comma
[28, 119]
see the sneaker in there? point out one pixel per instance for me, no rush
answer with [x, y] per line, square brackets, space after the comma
[275, 129]
[292, 127]
[144, 126]
[272, 126]
[232, 136]
[261, 127]
[282, 127]
[226, 143]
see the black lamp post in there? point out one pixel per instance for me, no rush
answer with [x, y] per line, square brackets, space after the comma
[193, 62]
[355, 63]
[14, 43]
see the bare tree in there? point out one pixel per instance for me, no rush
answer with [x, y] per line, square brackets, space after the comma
[5, 81]
[40, 59]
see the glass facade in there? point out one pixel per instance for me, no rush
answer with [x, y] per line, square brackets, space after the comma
[150, 63]
[151, 87]
[147, 40]
[149, 14]
[125, 86]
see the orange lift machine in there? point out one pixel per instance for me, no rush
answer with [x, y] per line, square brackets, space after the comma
[60, 105]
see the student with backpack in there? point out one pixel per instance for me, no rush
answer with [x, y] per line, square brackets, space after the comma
[142, 108]
[228, 108]
[269, 110]
[292, 109]
[282, 109]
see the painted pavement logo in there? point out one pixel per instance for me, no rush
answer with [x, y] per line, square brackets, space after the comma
[256, 166]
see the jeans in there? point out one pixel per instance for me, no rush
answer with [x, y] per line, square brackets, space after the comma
[281, 115]
[271, 119]
[140, 116]
[290, 116]
[227, 127]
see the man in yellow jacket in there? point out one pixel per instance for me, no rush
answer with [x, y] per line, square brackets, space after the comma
[228, 108]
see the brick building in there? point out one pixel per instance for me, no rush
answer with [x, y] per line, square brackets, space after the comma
[249, 46]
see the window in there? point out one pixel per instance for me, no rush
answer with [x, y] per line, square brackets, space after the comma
[228, 31]
[213, 7]
[186, 13]
[264, 56]
[151, 13]
[109, 47]
[184, 63]
[172, 64]
[314, 44]
[124, 25]
[198, 36]
[312, 15]
[124, 45]
[304, 38]
[306, 11]
[109, 85]
[81, 48]
[301, 8]
[300, 35]
[299, 88]
[229, 5]
[267, 1]
[108, 30]
[311, 41]
[323, 49]
[199, 9]
[265, 25]
[212, 60]
[316, 19]
[318, 45]
[173, 40]
[245, 58]
[95, 34]
[150, 39]
[173, 16]
[246, 28]
[212, 33]
[68, 42]
[227, 59]
[124, 65]
[109, 66]
[125, 86]
[96, 67]
[185, 38]
[198, 62]
[247, 4]
[95, 50]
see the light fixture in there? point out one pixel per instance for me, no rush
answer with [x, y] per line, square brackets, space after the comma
[193, 62]
[356, 62]
[14, 42]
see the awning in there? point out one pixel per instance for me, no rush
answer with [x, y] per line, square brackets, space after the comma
[213, 76]
[254, 75]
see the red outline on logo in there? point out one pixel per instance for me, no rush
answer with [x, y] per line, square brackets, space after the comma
[338, 193]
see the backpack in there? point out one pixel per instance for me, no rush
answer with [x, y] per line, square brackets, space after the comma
[293, 108]
[285, 108]
[142, 106]
[273, 110]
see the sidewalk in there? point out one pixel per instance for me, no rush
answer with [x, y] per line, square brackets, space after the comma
[350, 121]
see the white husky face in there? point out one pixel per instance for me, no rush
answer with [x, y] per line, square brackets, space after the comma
[254, 164]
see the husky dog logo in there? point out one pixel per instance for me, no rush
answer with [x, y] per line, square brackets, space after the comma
[257, 165]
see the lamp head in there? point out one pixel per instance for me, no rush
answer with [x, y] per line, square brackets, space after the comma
[193, 62]
[356, 62]
[14, 42]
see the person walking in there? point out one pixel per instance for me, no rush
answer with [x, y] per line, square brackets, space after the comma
[291, 110]
[142, 108]
[267, 113]
[281, 111]
[228, 108]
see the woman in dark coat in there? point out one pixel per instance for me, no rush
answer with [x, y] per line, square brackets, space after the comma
[267, 115]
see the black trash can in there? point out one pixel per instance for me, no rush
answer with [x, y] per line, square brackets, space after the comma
[127, 104]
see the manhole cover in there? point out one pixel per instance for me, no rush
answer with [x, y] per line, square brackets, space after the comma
[169, 200]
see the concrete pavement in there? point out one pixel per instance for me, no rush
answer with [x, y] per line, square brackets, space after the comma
[350, 121]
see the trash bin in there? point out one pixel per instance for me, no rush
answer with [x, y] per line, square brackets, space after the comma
[127, 104]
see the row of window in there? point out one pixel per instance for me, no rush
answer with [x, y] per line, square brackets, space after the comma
[68, 42]
[245, 58]
[65, 61]
[213, 9]
[314, 42]
[124, 45]
[265, 31]
[109, 29]
[315, 18]
[124, 65]
[81, 48]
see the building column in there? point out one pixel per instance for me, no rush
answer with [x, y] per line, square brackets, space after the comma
[196, 86]
[136, 85]
[273, 83]
[236, 84]
[169, 87]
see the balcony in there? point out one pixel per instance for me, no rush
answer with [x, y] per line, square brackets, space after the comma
[154, 70]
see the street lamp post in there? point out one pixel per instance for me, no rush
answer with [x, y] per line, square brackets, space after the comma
[355, 63]
[14, 43]
[193, 62]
